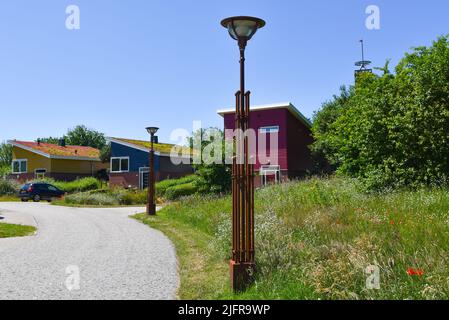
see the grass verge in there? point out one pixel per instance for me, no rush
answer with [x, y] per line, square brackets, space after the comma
[201, 269]
[316, 240]
[13, 230]
[9, 199]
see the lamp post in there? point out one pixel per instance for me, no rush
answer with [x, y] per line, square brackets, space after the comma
[151, 206]
[242, 264]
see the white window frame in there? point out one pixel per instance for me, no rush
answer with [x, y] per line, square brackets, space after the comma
[20, 165]
[142, 171]
[266, 171]
[269, 129]
[43, 173]
[120, 164]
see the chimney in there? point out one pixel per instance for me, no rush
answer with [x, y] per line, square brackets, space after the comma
[155, 139]
[62, 142]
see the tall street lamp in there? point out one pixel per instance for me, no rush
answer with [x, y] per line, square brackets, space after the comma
[151, 205]
[242, 264]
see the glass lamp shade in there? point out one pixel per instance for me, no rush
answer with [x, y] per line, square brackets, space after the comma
[152, 130]
[242, 27]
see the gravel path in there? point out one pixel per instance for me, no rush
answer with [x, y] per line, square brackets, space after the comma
[115, 256]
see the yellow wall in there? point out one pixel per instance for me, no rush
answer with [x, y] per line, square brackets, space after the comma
[35, 161]
[72, 166]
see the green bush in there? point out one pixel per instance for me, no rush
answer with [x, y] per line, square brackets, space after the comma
[162, 186]
[80, 185]
[8, 187]
[182, 190]
[95, 199]
[108, 197]
[4, 170]
[132, 197]
[392, 132]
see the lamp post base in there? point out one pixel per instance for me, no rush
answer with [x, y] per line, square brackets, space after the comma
[151, 210]
[242, 275]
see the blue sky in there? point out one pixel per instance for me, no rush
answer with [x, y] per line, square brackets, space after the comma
[136, 63]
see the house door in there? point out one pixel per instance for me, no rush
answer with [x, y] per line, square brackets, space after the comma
[144, 174]
[270, 175]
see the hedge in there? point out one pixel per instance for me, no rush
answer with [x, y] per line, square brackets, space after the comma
[182, 190]
[162, 186]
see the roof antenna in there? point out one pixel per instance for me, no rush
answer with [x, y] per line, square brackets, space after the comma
[363, 63]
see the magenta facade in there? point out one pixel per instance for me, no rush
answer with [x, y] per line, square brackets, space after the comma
[295, 137]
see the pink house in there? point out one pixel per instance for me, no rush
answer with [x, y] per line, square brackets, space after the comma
[294, 139]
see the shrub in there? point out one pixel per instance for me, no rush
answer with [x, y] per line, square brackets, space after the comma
[91, 199]
[214, 179]
[392, 130]
[131, 197]
[182, 190]
[162, 186]
[8, 187]
[80, 185]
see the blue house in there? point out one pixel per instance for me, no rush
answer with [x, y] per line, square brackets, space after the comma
[129, 165]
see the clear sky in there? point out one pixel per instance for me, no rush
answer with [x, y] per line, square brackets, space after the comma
[136, 63]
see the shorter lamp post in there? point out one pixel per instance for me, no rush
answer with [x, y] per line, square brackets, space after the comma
[151, 205]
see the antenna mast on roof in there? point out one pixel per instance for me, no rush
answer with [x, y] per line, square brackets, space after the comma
[363, 63]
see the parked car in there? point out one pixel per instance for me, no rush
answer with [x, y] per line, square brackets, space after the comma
[39, 191]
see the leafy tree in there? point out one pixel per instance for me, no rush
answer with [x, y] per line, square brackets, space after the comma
[105, 153]
[5, 155]
[393, 130]
[82, 136]
[213, 178]
[50, 140]
[323, 120]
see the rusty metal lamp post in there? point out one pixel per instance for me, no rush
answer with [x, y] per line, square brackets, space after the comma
[151, 205]
[242, 264]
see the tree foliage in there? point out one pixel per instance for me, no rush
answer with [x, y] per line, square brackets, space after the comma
[80, 136]
[83, 136]
[5, 154]
[393, 130]
[215, 177]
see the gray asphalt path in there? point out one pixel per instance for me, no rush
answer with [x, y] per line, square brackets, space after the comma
[84, 253]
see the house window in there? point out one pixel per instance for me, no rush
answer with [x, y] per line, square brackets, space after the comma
[120, 164]
[40, 173]
[270, 129]
[19, 166]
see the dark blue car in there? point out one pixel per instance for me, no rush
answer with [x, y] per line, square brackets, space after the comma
[39, 191]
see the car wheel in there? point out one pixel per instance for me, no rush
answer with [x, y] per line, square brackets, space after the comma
[36, 198]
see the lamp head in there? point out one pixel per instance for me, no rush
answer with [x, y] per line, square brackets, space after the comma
[152, 130]
[242, 28]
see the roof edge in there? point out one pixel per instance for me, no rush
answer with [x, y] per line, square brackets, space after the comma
[47, 155]
[134, 146]
[287, 105]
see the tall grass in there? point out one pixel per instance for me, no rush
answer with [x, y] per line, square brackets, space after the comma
[315, 239]
[8, 187]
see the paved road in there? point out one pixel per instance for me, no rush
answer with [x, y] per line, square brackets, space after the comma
[115, 256]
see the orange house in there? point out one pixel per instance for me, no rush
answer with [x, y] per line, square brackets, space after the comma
[34, 160]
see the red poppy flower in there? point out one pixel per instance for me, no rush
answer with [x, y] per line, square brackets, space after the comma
[411, 272]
